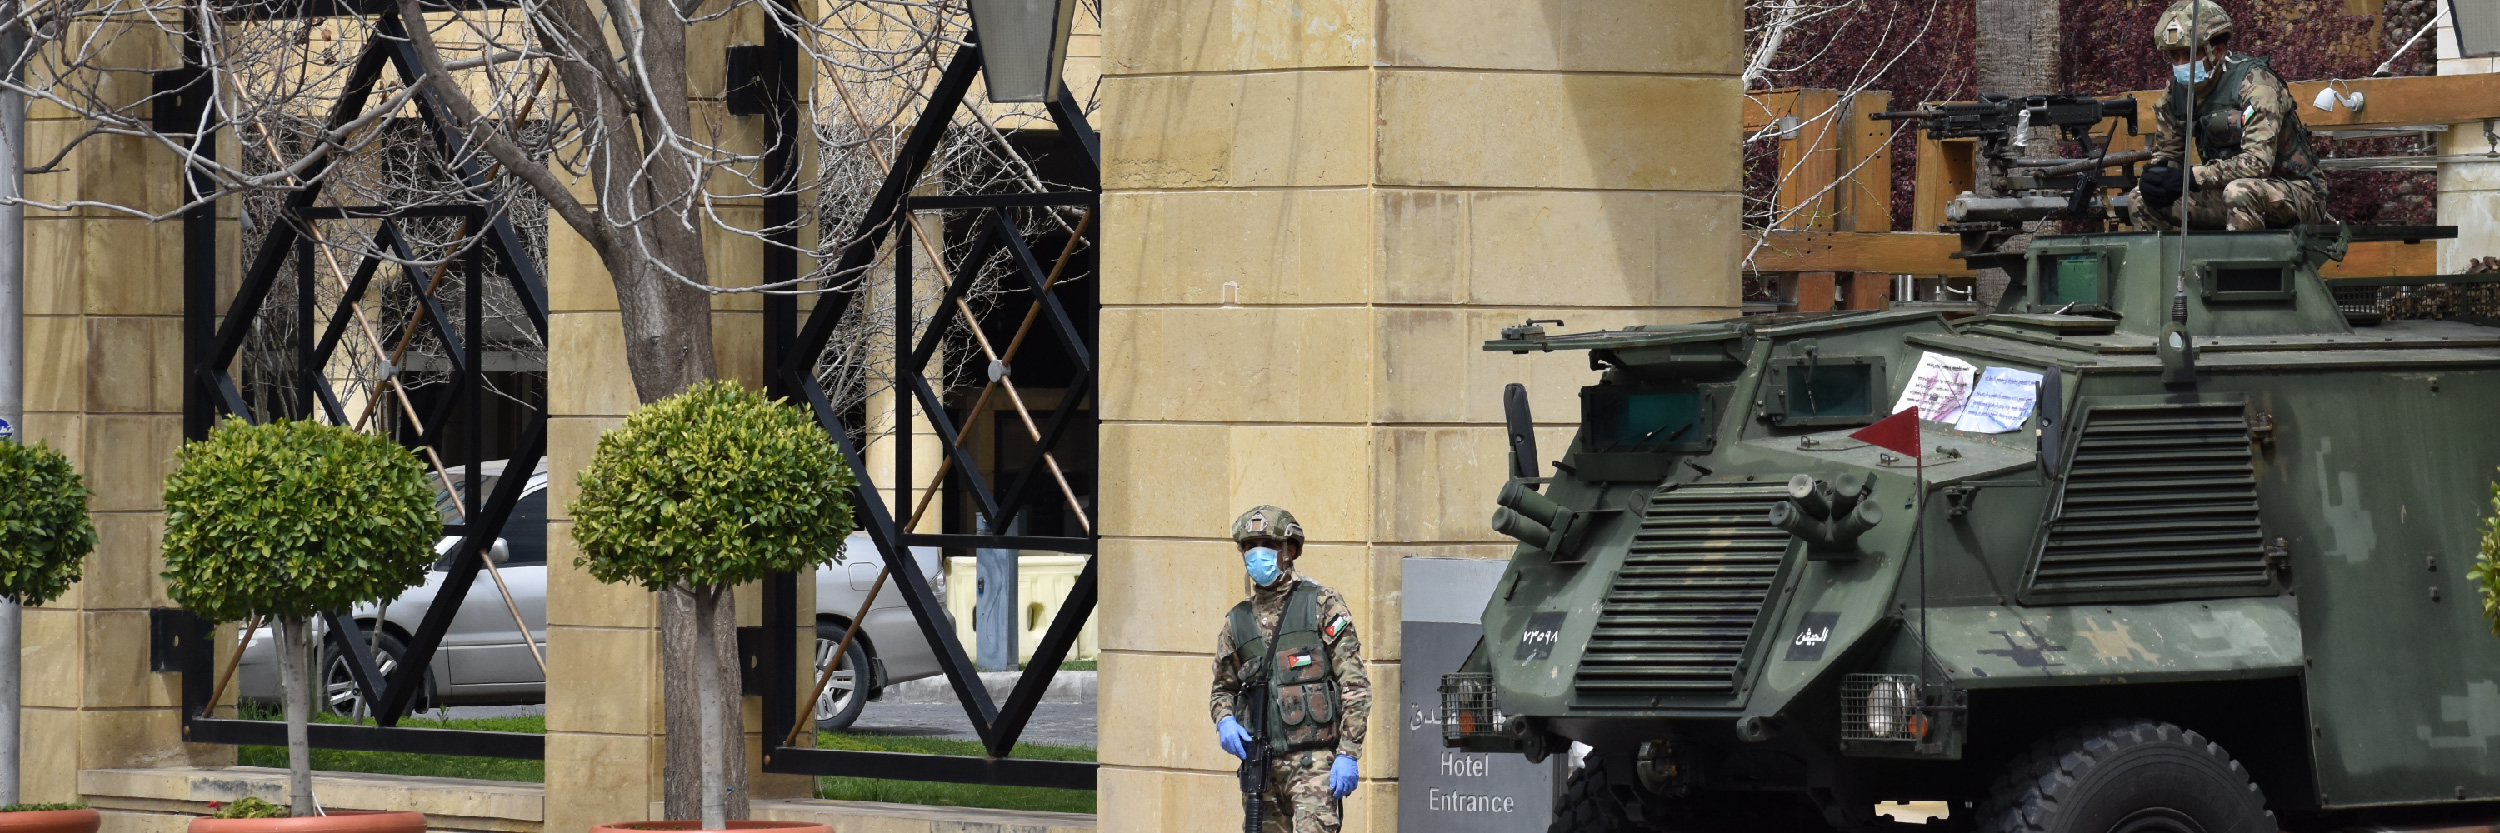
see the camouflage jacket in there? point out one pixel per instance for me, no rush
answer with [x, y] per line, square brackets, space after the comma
[2267, 124]
[1345, 656]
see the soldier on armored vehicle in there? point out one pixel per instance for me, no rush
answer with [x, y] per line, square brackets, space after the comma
[2259, 171]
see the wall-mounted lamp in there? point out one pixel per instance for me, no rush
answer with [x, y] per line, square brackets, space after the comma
[1024, 44]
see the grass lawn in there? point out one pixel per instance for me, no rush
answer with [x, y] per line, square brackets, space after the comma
[841, 789]
[395, 763]
[1070, 665]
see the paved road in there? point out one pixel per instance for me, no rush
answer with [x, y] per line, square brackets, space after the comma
[1053, 724]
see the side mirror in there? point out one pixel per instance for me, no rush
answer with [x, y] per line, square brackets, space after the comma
[500, 553]
[1522, 428]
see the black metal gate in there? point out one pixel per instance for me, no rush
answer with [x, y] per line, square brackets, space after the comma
[213, 341]
[792, 354]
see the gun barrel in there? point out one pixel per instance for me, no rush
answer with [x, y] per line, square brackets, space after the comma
[1904, 115]
[2111, 161]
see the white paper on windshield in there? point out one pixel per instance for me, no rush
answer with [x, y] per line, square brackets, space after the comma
[1937, 388]
[2000, 402]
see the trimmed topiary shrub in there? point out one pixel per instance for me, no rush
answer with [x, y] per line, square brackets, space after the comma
[291, 519]
[44, 532]
[701, 492]
[711, 487]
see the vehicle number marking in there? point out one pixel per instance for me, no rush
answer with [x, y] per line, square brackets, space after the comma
[1536, 641]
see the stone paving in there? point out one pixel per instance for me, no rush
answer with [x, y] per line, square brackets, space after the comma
[1053, 724]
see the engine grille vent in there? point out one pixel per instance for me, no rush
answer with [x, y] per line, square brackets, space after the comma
[1678, 618]
[2159, 499]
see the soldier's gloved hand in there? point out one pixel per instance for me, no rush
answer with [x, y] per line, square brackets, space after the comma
[2162, 184]
[1235, 739]
[1341, 776]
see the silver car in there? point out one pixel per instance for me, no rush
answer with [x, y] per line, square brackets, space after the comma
[484, 661]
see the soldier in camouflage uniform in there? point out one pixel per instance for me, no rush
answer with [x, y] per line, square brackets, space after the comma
[1320, 696]
[2257, 170]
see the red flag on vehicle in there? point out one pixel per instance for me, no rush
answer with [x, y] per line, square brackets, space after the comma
[1898, 432]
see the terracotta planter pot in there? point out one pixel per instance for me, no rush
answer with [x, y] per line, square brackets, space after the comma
[680, 826]
[50, 821]
[343, 822]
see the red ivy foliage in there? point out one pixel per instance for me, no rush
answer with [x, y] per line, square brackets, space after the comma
[1919, 50]
[1924, 50]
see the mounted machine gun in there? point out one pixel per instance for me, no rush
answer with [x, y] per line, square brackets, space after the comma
[2011, 188]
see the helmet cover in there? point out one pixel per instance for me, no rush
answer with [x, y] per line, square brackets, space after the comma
[2190, 19]
[1267, 521]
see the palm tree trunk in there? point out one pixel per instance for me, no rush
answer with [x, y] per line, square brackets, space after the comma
[295, 686]
[2018, 54]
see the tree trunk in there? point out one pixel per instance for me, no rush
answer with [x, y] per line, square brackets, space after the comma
[680, 667]
[708, 696]
[2018, 55]
[295, 688]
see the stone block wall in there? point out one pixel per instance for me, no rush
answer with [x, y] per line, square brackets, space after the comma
[104, 366]
[1314, 215]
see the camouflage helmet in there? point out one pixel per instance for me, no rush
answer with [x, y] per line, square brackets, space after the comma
[2188, 19]
[1266, 521]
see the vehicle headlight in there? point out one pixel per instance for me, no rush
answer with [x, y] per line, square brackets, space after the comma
[1881, 707]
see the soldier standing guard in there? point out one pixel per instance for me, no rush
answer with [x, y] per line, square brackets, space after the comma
[1297, 638]
[2257, 169]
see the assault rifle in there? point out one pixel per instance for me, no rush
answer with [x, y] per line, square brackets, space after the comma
[1251, 707]
[2010, 187]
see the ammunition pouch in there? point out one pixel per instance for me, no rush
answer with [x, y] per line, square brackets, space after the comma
[1302, 706]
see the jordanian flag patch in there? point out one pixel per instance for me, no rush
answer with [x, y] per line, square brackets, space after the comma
[1300, 660]
[1337, 627]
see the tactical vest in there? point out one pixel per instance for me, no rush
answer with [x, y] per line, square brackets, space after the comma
[2220, 117]
[1302, 691]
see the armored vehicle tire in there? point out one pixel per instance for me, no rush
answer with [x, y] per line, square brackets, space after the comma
[1591, 803]
[2125, 776]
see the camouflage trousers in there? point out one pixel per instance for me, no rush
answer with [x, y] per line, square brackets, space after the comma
[1298, 800]
[2237, 205]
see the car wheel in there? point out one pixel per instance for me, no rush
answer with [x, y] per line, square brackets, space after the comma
[339, 694]
[2126, 776]
[845, 695]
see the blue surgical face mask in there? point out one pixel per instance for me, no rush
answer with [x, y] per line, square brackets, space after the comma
[1261, 562]
[2192, 72]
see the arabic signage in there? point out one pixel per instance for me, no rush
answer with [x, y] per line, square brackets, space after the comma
[1446, 790]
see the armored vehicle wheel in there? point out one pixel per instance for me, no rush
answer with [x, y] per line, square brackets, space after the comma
[2125, 776]
[1593, 803]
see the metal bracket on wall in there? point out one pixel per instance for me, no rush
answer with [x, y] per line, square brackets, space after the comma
[752, 88]
[171, 631]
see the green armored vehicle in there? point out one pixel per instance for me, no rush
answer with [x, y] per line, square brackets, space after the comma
[2213, 583]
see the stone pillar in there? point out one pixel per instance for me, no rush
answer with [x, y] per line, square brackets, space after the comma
[606, 728]
[2469, 192]
[1314, 214]
[104, 386]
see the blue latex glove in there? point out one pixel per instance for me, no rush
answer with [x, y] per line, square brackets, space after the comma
[1235, 739]
[1341, 776]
